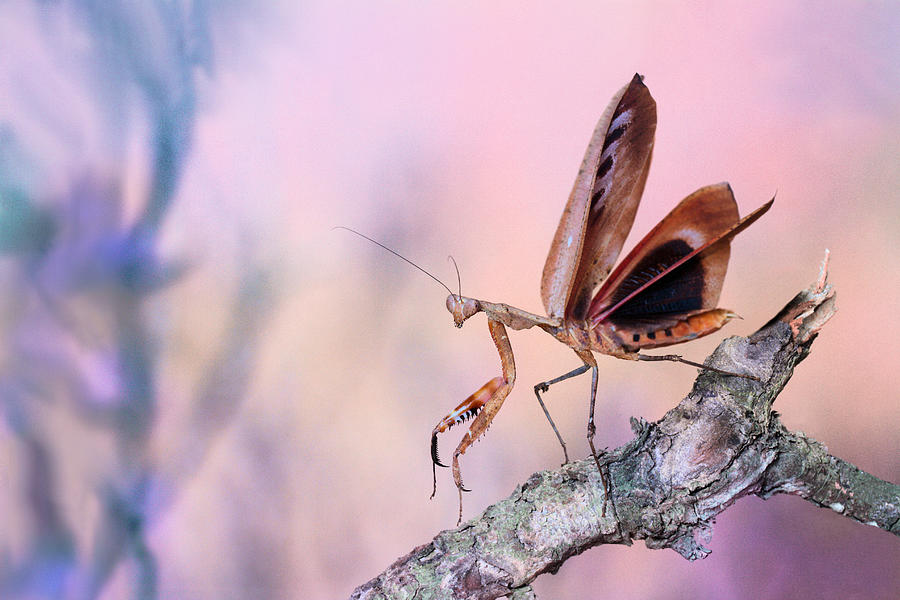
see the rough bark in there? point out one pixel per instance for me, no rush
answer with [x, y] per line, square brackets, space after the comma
[723, 441]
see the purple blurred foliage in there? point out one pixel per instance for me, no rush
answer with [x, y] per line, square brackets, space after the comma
[101, 356]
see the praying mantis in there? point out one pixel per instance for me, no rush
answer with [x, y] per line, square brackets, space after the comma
[664, 292]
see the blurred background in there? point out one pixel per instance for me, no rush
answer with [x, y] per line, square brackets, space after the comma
[207, 392]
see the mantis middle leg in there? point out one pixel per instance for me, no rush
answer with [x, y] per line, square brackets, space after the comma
[544, 386]
[589, 363]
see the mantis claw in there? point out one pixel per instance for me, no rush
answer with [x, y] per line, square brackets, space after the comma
[435, 459]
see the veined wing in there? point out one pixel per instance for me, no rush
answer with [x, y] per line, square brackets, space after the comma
[678, 267]
[603, 202]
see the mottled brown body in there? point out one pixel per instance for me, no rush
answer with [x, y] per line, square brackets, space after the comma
[663, 293]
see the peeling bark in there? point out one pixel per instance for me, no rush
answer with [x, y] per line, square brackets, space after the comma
[722, 442]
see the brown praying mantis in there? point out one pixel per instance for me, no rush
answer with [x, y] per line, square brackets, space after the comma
[664, 292]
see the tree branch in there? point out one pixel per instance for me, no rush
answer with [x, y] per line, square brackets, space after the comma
[722, 442]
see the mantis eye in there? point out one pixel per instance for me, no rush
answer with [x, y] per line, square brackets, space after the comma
[461, 308]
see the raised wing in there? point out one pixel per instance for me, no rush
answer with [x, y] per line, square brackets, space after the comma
[679, 267]
[603, 202]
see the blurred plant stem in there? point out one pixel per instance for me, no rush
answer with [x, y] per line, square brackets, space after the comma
[80, 335]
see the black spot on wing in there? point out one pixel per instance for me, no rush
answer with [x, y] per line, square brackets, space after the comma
[614, 134]
[677, 292]
[605, 166]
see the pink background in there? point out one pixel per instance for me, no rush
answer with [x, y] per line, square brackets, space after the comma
[458, 130]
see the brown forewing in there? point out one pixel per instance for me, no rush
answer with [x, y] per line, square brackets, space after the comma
[615, 194]
[601, 207]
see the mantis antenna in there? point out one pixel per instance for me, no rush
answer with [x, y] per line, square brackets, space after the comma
[400, 256]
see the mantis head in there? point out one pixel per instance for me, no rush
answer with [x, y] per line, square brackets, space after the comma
[461, 308]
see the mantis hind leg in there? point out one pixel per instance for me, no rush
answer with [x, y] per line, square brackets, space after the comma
[679, 358]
